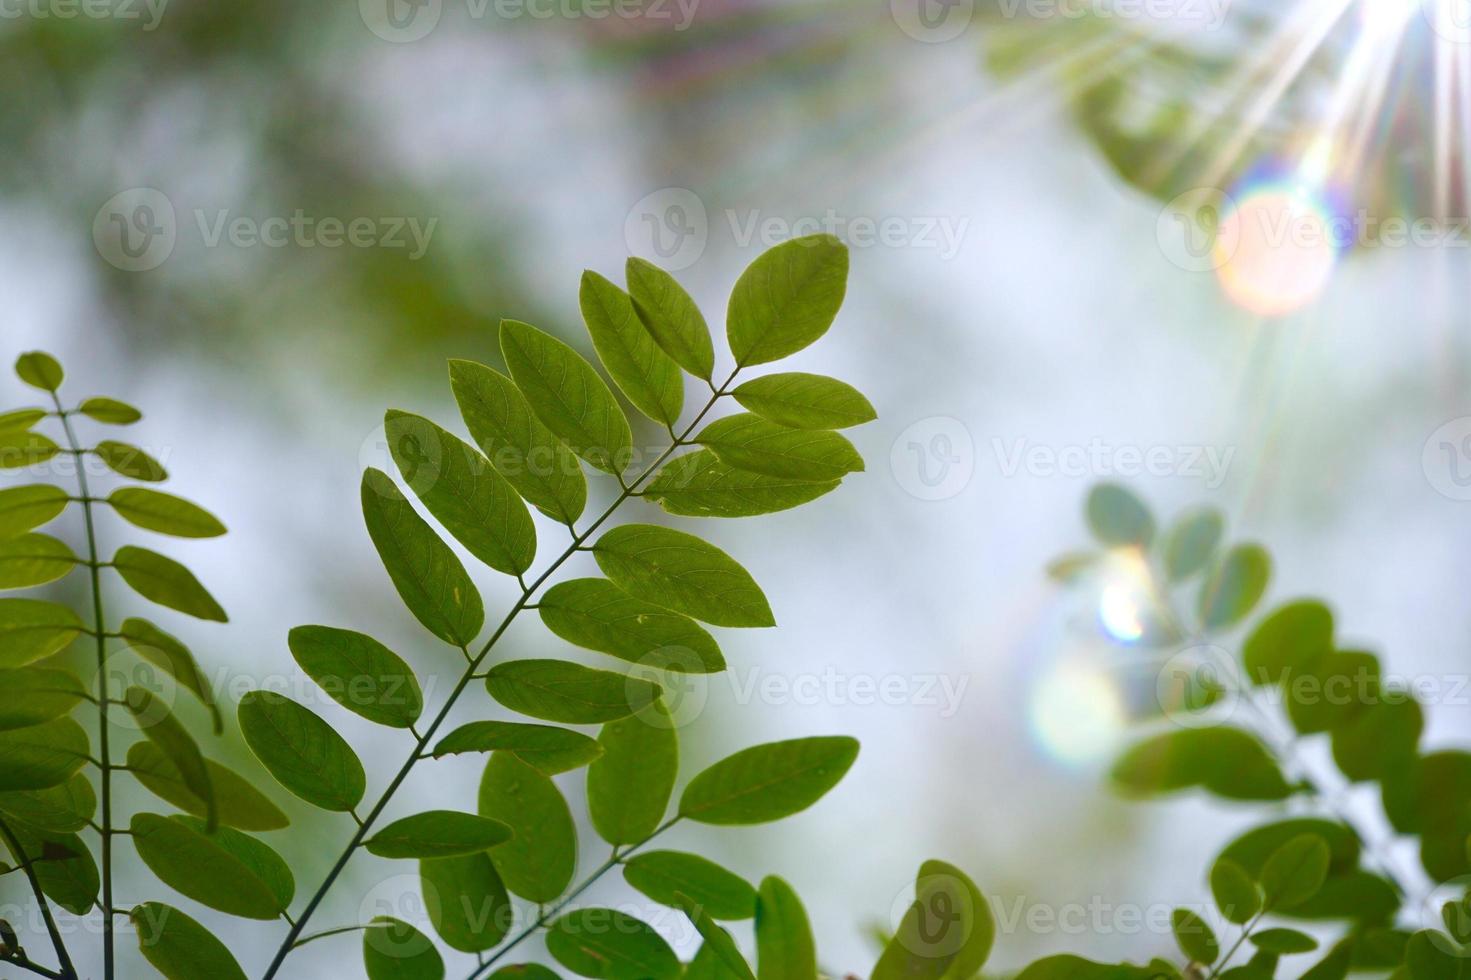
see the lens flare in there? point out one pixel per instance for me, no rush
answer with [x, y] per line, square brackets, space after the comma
[1278, 242]
[1124, 596]
[1076, 712]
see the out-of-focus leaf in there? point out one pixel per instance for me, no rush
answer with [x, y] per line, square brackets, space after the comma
[567, 395]
[1379, 738]
[164, 513]
[22, 447]
[768, 782]
[639, 366]
[464, 492]
[1194, 937]
[681, 572]
[1288, 641]
[785, 949]
[662, 874]
[438, 833]
[238, 803]
[1332, 691]
[465, 901]
[1118, 518]
[63, 809]
[195, 865]
[539, 860]
[28, 507]
[805, 401]
[39, 370]
[554, 690]
[545, 747]
[42, 755]
[629, 785]
[596, 614]
[129, 461]
[1334, 966]
[395, 950]
[1226, 761]
[1294, 872]
[671, 317]
[946, 934]
[359, 673]
[36, 694]
[33, 629]
[157, 722]
[1252, 849]
[429, 578]
[168, 654]
[1431, 956]
[606, 944]
[180, 948]
[700, 484]
[1283, 942]
[518, 445]
[1234, 586]
[20, 419]
[302, 751]
[166, 582]
[1235, 892]
[109, 411]
[1191, 542]
[786, 299]
[33, 559]
[1068, 967]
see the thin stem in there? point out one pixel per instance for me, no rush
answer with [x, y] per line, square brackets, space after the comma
[68, 971]
[36, 968]
[100, 628]
[548, 912]
[403, 772]
[1245, 932]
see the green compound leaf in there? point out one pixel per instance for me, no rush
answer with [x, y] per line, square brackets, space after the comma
[786, 299]
[62, 809]
[42, 755]
[395, 950]
[716, 939]
[39, 370]
[156, 721]
[109, 411]
[663, 875]
[567, 395]
[768, 782]
[554, 690]
[1191, 543]
[606, 944]
[239, 804]
[1283, 942]
[34, 559]
[1194, 937]
[700, 484]
[947, 932]
[429, 578]
[302, 751]
[359, 673]
[1236, 895]
[463, 492]
[130, 461]
[168, 654]
[21, 447]
[681, 572]
[33, 629]
[25, 508]
[671, 317]
[199, 866]
[164, 513]
[1295, 872]
[1289, 641]
[805, 401]
[1226, 761]
[539, 860]
[629, 785]
[595, 614]
[521, 449]
[465, 901]
[1117, 518]
[1234, 586]
[644, 372]
[37, 694]
[436, 834]
[166, 582]
[785, 949]
[20, 419]
[749, 442]
[544, 747]
[180, 948]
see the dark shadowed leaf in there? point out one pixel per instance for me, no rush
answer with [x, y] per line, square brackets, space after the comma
[539, 860]
[168, 654]
[24, 508]
[463, 492]
[164, 513]
[63, 809]
[596, 614]
[1226, 761]
[39, 370]
[785, 949]
[750, 442]
[166, 582]
[786, 299]
[661, 875]
[42, 755]
[805, 401]
[1234, 586]
[395, 950]
[544, 747]
[567, 395]
[555, 690]
[109, 411]
[700, 484]
[1334, 966]
[33, 559]
[156, 721]
[465, 901]
[1294, 872]
[1118, 518]
[180, 948]
[195, 865]
[518, 445]
[238, 803]
[768, 782]
[32, 629]
[36, 694]
[129, 461]
[629, 785]
[1283, 942]
[681, 572]
[65, 870]
[438, 833]
[359, 673]
[671, 317]
[1191, 542]
[636, 363]
[946, 933]
[429, 578]
[1194, 936]
[606, 944]
[302, 751]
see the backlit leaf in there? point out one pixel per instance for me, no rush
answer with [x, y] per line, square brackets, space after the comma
[465, 901]
[596, 614]
[555, 690]
[750, 442]
[437, 833]
[1194, 936]
[1191, 542]
[681, 572]
[302, 751]
[109, 411]
[606, 944]
[629, 785]
[1234, 586]
[180, 948]
[1381, 738]
[787, 299]
[168, 654]
[544, 747]
[539, 860]
[156, 721]
[61, 809]
[195, 865]
[1118, 518]
[716, 938]
[256, 855]
[24, 508]
[395, 950]
[164, 513]
[20, 419]
[768, 782]
[785, 949]
[33, 559]
[166, 582]
[1294, 872]
[429, 578]
[65, 868]
[42, 755]
[1288, 642]
[22, 447]
[637, 364]
[238, 803]
[37, 694]
[359, 673]
[805, 401]
[699, 484]
[33, 629]
[39, 370]
[1226, 761]
[662, 874]
[129, 461]
[1235, 893]
[671, 317]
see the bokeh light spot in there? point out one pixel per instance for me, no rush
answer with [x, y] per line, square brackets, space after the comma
[1076, 712]
[1276, 249]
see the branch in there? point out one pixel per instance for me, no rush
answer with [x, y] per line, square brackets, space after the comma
[68, 971]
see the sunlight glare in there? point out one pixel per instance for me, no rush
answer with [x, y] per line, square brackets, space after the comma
[1077, 713]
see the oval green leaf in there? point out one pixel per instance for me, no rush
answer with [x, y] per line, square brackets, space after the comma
[629, 785]
[554, 690]
[63, 809]
[33, 629]
[1118, 518]
[786, 299]
[153, 510]
[37, 694]
[1294, 872]
[1283, 942]
[606, 944]
[22, 447]
[700, 484]
[1234, 586]
[1191, 542]
[552, 750]
[129, 461]
[238, 803]
[29, 560]
[180, 948]
[671, 317]
[438, 833]
[681, 572]
[785, 949]
[166, 582]
[749, 442]
[539, 860]
[395, 950]
[947, 932]
[195, 865]
[39, 370]
[1235, 893]
[661, 875]
[1226, 761]
[25, 508]
[768, 782]
[302, 751]
[1194, 937]
[595, 614]
[109, 411]
[359, 673]
[636, 363]
[42, 755]
[465, 901]
[805, 401]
